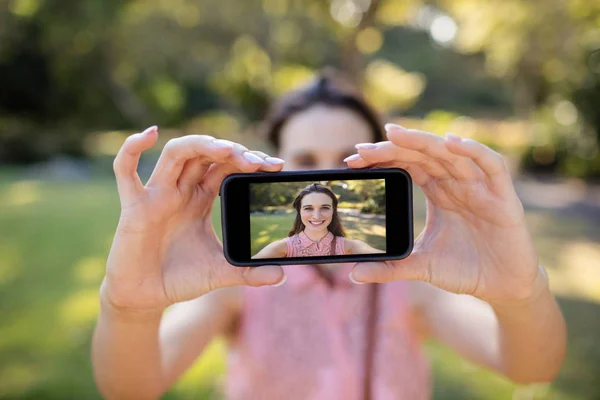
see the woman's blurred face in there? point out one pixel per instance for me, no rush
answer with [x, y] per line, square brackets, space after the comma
[316, 212]
[321, 137]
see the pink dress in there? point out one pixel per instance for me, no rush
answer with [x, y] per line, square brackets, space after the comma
[307, 339]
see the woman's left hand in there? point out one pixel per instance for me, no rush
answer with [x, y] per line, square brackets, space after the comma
[475, 239]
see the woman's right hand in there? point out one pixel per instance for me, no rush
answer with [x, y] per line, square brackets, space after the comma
[165, 249]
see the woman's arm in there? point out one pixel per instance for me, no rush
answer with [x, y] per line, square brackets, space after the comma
[355, 246]
[276, 249]
[140, 355]
[524, 341]
[475, 242]
[165, 251]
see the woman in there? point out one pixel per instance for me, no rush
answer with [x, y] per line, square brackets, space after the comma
[318, 229]
[318, 336]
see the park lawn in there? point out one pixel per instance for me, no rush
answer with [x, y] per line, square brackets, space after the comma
[54, 239]
[265, 229]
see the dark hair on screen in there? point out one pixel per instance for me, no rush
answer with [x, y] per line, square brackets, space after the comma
[334, 227]
[329, 89]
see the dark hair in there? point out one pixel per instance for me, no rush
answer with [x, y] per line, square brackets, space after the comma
[334, 227]
[329, 89]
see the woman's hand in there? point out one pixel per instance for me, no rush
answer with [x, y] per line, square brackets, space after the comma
[165, 249]
[475, 239]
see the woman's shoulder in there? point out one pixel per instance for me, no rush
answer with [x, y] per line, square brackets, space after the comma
[348, 243]
[280, 245]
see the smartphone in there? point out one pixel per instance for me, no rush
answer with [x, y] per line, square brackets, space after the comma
[317, 217]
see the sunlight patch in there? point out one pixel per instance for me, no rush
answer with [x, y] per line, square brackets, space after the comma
[262, 240]
[17, 378]
[579, 272]
[272, 227]
[23, 193]
[81, 307]
[89, 269]
[207, 369]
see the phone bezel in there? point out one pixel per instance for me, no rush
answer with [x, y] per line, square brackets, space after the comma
[235, 214]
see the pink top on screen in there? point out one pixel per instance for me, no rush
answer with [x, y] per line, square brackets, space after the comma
[307, 339]
[301, 246]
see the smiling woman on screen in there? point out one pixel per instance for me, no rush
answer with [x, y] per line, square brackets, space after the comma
[317, 230]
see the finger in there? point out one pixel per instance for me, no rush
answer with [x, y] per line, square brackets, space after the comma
[432, 145]
[414, 267]
[125, 165]
[491, 163]
[246, 160]
[214, 177]
[193, 171]
[177, 151]
[267, 275]
[388, 152]
[211, 182]
[270, 164]
[416, 173]
[356, 161]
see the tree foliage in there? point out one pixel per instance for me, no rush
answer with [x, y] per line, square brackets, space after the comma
[68, 68]
[369, 194]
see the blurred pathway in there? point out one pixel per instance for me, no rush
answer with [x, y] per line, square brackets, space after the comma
[564, 197]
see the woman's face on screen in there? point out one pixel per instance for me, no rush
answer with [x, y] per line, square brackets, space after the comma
[321, 137]
[316, 212]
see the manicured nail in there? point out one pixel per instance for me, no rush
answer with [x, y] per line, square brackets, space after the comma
[222, 144]
[148, 130]
[253, 158]
[353, 157]
[354, 280]
[390, 126]
[281, 282]
[274, 160]
[452, 136]
[366, 146]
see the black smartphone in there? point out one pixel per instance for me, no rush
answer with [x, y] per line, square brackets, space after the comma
[316, 217]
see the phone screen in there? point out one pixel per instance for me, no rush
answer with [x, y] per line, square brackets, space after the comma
[317, 218]
[300, 217]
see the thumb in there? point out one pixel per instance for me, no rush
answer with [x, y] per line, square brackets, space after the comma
[271, 275]
[414, 267]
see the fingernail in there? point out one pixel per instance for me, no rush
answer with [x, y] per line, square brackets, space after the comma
[148, 130]
[354, 280]
[366, 146]
[281, 282]
[222, 144]
[387, 127]
[274, 160]
[353, 157]
[253, 158]
[452, 136]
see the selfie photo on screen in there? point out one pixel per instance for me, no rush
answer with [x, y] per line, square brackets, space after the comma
[315, 219]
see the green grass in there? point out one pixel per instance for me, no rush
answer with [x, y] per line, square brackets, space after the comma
[265, 229]
[54, 239]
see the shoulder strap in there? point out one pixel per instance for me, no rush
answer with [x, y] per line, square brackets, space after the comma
[333, 244]
[323, 273]
[371, 340]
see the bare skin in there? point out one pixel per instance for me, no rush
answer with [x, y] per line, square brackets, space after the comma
[475, 242]
[164, 252]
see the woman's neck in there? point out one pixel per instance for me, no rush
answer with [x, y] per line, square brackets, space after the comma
[316, 236]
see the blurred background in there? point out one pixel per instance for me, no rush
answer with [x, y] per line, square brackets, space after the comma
[76, 77]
